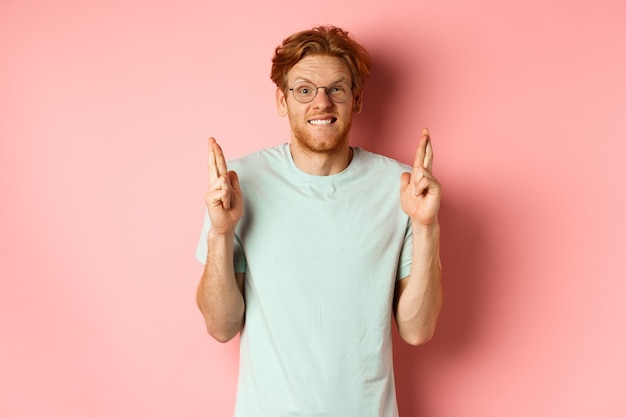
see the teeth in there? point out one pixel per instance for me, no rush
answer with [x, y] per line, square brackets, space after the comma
[321, 122]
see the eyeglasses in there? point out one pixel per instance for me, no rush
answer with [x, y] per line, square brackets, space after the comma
[305, 92]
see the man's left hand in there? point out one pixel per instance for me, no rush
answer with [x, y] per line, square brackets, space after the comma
[420, 193]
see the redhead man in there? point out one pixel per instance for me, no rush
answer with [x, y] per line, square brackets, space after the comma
[311, 247]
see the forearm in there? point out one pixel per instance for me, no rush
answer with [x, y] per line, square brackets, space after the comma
[220, 294]
[419, 296]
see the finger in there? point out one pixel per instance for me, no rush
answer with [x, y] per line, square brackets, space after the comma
[217, 162]
[226, 198]
[416, 179]
[231, 185]
[220, 193]
[234, 181]
[220, 160]
[212, 163]
[420, 154]
[429, 155]
[421, 185]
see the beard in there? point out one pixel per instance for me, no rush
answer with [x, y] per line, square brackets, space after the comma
[317, 144]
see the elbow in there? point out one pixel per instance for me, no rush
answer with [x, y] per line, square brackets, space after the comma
[418, 338]
[417, 334]
[222, 335]
[223, 329]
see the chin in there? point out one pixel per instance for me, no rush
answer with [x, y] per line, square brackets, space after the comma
[326, 144]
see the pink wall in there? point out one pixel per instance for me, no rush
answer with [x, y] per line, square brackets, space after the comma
[105, 108]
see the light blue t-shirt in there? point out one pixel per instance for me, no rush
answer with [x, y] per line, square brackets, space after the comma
[321, 256]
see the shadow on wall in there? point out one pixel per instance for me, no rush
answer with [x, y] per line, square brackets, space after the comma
[465, 264]
[371, 127]
[463, 250]
[389, 103]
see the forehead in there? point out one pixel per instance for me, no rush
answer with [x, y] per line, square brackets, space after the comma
[320, 68]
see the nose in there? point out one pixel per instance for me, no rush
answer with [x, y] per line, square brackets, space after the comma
[322, 99]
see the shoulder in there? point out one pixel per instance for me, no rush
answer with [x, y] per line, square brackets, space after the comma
[374, 162]
[263, 158]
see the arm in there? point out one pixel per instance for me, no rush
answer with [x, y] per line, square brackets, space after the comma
[418, 297]
[220, 292]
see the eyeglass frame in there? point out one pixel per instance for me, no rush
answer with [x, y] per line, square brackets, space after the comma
[330, 97]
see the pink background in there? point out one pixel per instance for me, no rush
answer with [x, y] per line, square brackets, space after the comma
[105, 107]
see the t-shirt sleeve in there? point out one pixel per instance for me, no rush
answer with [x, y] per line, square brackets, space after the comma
[406, 254]
[202, 249]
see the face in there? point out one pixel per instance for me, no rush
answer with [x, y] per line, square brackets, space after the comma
[320, 126]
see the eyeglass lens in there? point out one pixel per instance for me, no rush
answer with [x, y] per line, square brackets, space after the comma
[305, 92]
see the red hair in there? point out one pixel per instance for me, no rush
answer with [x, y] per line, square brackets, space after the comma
[322, 40]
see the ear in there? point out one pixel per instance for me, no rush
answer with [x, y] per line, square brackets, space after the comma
[281, 102]
[357, 106]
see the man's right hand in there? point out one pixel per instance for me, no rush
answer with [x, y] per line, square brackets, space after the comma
[223, 198]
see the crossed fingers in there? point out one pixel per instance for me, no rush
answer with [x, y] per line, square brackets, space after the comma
[220, 187]
[423, 164]
[217, 163]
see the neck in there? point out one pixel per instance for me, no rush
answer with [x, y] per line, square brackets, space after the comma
[321, 163]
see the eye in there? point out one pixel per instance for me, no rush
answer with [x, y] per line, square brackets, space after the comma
[304, 89]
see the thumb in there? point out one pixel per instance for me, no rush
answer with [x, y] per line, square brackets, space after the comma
[405, 180]
[234, 180]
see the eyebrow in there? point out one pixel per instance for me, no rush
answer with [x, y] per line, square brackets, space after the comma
[303, 79]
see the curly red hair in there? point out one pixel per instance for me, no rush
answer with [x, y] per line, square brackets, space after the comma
[321, 40]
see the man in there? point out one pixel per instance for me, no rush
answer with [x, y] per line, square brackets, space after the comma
[309, 248]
